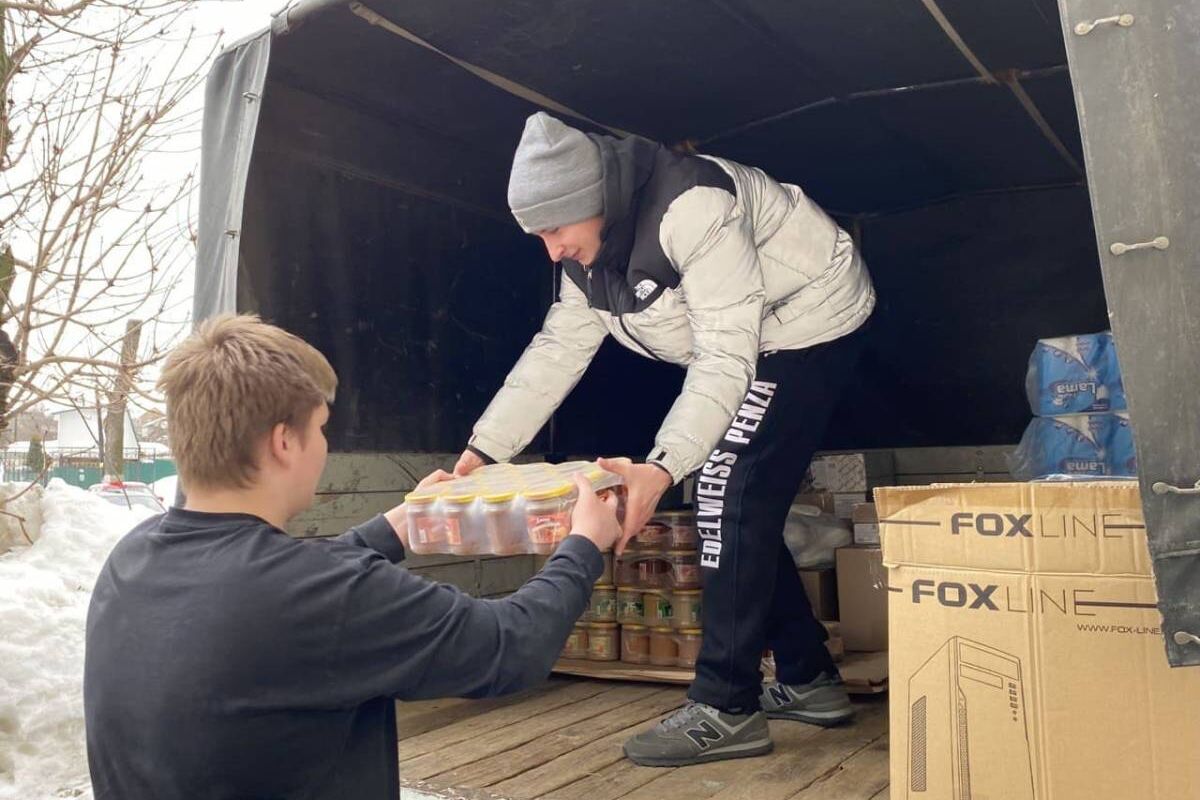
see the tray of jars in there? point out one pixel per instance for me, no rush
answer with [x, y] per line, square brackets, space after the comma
[502, 509]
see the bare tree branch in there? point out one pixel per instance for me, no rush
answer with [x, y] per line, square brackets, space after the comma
[94, 94]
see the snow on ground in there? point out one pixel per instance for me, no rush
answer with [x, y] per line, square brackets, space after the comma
[164, 489]
[44, 594]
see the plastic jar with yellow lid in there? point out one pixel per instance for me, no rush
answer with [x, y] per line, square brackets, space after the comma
[664, 651]
[603, 605]
[630, 608]
[504, 524]
[548, 517]
[685, 608]
[464, 534]
[635, 644]
[603, 644]
[685, 569]
[657, 608]
[426, 524]
[687, 642]
[577, 643]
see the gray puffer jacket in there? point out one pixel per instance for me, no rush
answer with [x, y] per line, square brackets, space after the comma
[705, 263]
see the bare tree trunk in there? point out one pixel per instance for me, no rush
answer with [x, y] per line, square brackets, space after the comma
[114, 423]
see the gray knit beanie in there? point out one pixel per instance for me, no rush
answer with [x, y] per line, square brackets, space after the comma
[556, 176]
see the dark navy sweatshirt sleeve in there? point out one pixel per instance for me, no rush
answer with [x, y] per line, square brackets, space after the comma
[403, 636]
[379, 535]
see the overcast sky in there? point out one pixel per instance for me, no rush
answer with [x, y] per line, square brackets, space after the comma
[237, 17]
[232, 20]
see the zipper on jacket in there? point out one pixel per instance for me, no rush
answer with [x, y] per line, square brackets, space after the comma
[637, 341]
[621, 320]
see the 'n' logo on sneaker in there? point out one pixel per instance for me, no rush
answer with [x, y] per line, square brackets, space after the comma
[779, 694]
[704, 734]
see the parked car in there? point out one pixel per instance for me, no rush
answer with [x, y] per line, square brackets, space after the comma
[129, 494]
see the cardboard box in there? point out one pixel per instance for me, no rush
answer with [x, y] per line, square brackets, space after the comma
[821, 587]
[845, 502]
[862, 598]
[834, 643]
[839, 473]
[866, 533]
[866, 524]
[866, 673]
[864, 513]
[852, 472]
[821, 500]
[1027, 659]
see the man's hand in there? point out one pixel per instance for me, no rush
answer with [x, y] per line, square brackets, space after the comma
[468, 462]
[398, 516]
[645, 484]
[433, 478]
[593, 518]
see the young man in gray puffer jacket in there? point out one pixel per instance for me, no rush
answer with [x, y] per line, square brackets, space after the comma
[744, 281]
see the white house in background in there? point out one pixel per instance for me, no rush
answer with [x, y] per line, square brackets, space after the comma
[80, 431]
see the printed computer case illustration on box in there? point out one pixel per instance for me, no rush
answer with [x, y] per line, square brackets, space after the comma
[967, 729]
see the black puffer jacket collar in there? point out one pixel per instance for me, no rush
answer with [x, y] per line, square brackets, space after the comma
[628, 165]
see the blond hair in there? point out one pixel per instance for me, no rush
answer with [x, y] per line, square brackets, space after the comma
[227, 385]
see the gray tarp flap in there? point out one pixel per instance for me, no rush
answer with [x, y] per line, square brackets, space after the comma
[232, 99]
[1135, 79]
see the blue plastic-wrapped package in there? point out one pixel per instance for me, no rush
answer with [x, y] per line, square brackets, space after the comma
[1076, 445]
[1075, 375]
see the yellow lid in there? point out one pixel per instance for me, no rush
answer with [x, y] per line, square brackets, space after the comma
[663, 592]
[499, 497]
[634, 628]
[692, 631]
[604, 587]
[683, 553]
[459, 498]
[604, 625]
[416, 497]
[663, 629]
[549, 494]
[688, 591]
[632, 589]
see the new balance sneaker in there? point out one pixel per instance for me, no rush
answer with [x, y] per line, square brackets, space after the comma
[822, 702]
[698, 733]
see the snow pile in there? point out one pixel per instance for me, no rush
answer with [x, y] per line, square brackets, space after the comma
[23, 512]
[44, 594]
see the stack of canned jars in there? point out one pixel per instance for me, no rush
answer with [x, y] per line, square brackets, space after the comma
[501, 509]
[650, 612]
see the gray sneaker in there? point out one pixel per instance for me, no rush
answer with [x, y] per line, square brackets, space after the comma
[698, 733]
[822, 702]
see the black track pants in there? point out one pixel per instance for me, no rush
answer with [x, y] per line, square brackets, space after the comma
[753, 597]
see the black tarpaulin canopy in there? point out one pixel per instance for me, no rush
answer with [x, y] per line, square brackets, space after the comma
[356, 157]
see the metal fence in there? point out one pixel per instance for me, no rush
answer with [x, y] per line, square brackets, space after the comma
[81, 470]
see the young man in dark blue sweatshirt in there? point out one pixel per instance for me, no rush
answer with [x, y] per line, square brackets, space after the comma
[226, 659]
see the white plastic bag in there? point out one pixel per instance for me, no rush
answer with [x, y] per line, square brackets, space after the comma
[812, 537]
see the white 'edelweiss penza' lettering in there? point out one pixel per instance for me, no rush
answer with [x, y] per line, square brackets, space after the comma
[713, 479]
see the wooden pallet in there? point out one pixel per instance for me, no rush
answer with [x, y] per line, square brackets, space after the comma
[864, 673]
